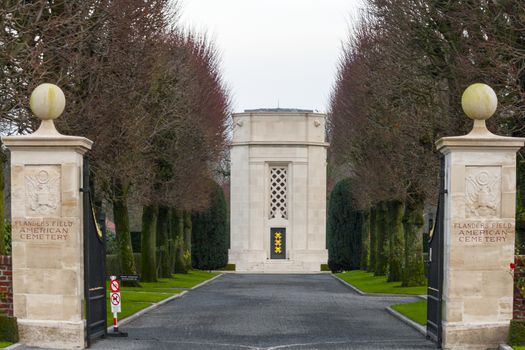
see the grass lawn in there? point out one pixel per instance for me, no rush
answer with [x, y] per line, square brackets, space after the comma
[5, 344]
[368, 283]
[416, 311]
[518, 347]
[178, 281]
[135, 299]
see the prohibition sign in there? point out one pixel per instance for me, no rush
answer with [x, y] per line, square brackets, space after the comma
[114, 286]
[115, 299]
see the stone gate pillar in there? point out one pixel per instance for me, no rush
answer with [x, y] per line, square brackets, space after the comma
[480, 180]
[47, 235]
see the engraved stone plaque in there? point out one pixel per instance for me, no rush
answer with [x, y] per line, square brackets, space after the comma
[488, 232]
[45, 230]
[42, 185]
[483, 192]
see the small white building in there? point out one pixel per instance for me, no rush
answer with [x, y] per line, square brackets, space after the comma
[278, 191]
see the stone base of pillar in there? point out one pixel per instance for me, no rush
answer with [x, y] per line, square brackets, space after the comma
[52, 334]
[257, 261]
[478, 336]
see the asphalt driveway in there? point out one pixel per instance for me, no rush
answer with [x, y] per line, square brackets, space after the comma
[260, 311]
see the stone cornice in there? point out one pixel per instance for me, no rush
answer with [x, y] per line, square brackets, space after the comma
[82, 144]
[273, 114]
[280, 143]
[469, 141]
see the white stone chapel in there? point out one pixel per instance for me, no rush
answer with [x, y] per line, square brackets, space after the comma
[278, 191]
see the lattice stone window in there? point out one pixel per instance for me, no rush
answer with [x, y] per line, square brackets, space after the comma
[278, 190]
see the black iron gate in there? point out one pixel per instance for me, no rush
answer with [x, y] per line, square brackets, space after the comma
[435, 268]
[94, 260]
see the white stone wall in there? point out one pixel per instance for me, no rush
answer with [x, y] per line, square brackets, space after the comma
[294, 141]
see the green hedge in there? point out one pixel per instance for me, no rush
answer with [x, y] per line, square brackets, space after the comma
[7, 237]
[209, 237]
[517, 332]
[228, 267]
[344, 223]
[8, 329]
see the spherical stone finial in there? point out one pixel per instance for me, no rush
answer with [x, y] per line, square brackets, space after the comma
[479, 101]
[47, 101]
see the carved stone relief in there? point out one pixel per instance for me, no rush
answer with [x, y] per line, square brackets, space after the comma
[42, 183]
[483, 192]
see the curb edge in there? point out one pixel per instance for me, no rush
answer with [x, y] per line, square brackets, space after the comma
[159, 304]
[360, 292]
[421, 329]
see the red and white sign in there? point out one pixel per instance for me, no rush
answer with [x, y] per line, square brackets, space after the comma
[114, 285]
[115, 302]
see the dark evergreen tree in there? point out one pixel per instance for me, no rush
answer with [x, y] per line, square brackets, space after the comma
[344, 229]
[209, 240]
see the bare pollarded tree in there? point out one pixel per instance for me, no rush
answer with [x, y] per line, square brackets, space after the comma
[398, 91]
[148, 94]
[189, 140]
[45, 41]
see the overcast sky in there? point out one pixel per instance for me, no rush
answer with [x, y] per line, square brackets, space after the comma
[276, 51]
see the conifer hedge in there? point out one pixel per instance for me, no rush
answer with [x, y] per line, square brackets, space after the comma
[209, 241]
[344, 229]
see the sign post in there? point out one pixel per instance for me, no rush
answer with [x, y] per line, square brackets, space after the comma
[116, 301]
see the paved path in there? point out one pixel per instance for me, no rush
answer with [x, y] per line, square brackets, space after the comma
[239, 311]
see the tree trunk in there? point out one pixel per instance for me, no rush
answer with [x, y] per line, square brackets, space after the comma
[373, 239]
[149, 243]
[187, 240]
[396, 210]
[414, 272]
[121, 215]
[172, 231]
[165, 267]
[382, 240]
[177, 222]
[365, 240]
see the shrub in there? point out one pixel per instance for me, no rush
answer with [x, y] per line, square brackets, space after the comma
[209, 243]
[325, 267]
[7, 237]
[113, 264]
[344, 229]
[517, 332]
[111, 243]
[8, 328]
[229, 267]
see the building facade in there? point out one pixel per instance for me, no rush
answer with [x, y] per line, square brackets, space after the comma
[278, 191]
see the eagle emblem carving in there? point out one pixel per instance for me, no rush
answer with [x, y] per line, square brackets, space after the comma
[483, 195]
[42, 191]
